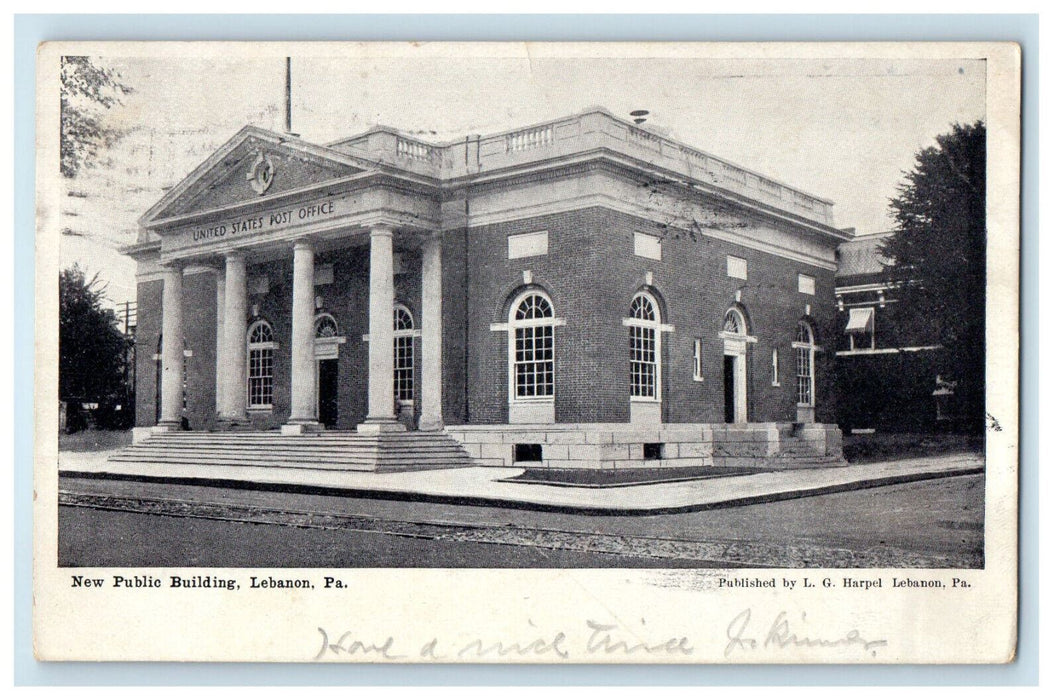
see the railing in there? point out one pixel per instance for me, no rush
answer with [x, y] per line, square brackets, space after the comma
[730, 172]
[580, 133]
[645, 138]
[528, 139]
[414, 150]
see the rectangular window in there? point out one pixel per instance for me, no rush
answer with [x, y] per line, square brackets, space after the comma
[527, 452]
[647, 246]
[642, 362]
[527, 245]
[697, 360]
[404, 364]
[737, 267]
[807, 284]
[803, 371]
[861, 327]
[259, 384]
[776, 368]
[533, 362]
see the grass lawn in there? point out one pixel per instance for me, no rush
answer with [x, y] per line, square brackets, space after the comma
[881, 447]
[94, 440]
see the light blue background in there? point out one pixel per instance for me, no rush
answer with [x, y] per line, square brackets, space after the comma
[32, 29]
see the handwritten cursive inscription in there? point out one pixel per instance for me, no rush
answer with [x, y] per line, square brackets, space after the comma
[781, 634]
[605, 640]
[352, 647]
[600, 639]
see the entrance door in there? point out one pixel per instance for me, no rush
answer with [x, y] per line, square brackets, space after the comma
[729, 383]
[328, 392]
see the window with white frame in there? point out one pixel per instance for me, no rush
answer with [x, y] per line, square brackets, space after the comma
[531, 347]
[804, 364]
[697, 359]
[644, 348]
[261, 348]
[404, 358]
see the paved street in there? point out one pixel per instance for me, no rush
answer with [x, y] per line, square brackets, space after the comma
[933, 523]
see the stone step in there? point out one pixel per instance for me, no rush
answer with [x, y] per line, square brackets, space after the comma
[283, 449]
[364, 465]
[328, 451]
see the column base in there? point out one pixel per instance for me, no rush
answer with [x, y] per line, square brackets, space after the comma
[223, 423]
[166, 427]
[301, 428]
[431, 425]
[377, 426]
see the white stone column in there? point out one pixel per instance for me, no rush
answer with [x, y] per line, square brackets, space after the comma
[172, 348]
[220, 349]
[381, 335]
[232, 363]
[303, 364]
[431, 338]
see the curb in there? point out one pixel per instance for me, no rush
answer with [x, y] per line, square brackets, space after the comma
[417, 497]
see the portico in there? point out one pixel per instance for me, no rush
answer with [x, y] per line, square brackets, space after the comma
[361, 215]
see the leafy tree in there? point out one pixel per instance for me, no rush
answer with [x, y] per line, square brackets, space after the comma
[92, 351]
[86, 91]
[937, 258]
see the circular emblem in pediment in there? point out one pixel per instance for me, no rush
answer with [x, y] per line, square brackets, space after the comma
[262, 173]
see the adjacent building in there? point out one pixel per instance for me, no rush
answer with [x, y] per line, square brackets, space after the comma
[888, 381]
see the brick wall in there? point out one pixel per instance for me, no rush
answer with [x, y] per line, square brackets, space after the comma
[199, 302]
[148, 330]
[591, 274]
[454, 312]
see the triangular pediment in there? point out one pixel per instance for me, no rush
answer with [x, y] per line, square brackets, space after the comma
[254, 165]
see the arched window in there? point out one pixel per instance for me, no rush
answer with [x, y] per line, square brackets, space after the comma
[644, 348]
[326, 326]
[735, 323]
[531, 351]
[261, 346]
[804, 369]
[404, 359]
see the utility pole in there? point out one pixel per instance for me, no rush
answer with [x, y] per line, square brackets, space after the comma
[287, 95]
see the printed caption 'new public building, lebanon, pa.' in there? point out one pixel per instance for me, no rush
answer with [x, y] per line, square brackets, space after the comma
[580, 294]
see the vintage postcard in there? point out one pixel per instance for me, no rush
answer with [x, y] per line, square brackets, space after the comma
[546, 352]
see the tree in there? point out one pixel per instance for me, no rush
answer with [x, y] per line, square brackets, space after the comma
[86, 91]
[92, 351]
[936, 259]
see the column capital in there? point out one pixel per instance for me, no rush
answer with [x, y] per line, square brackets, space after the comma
[235, 255]
[173, 266]
[303, 244]
[382, 230]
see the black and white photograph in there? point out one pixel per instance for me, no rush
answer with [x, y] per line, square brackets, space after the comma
[701, 321]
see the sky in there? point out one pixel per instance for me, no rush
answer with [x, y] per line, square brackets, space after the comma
[843, 129]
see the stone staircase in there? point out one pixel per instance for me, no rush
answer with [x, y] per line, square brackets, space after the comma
[328, 450]
[795, 452]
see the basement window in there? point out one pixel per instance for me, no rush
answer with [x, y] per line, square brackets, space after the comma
[527, 452]
[653, 450]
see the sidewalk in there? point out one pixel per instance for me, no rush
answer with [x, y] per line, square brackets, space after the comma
[482, 485]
